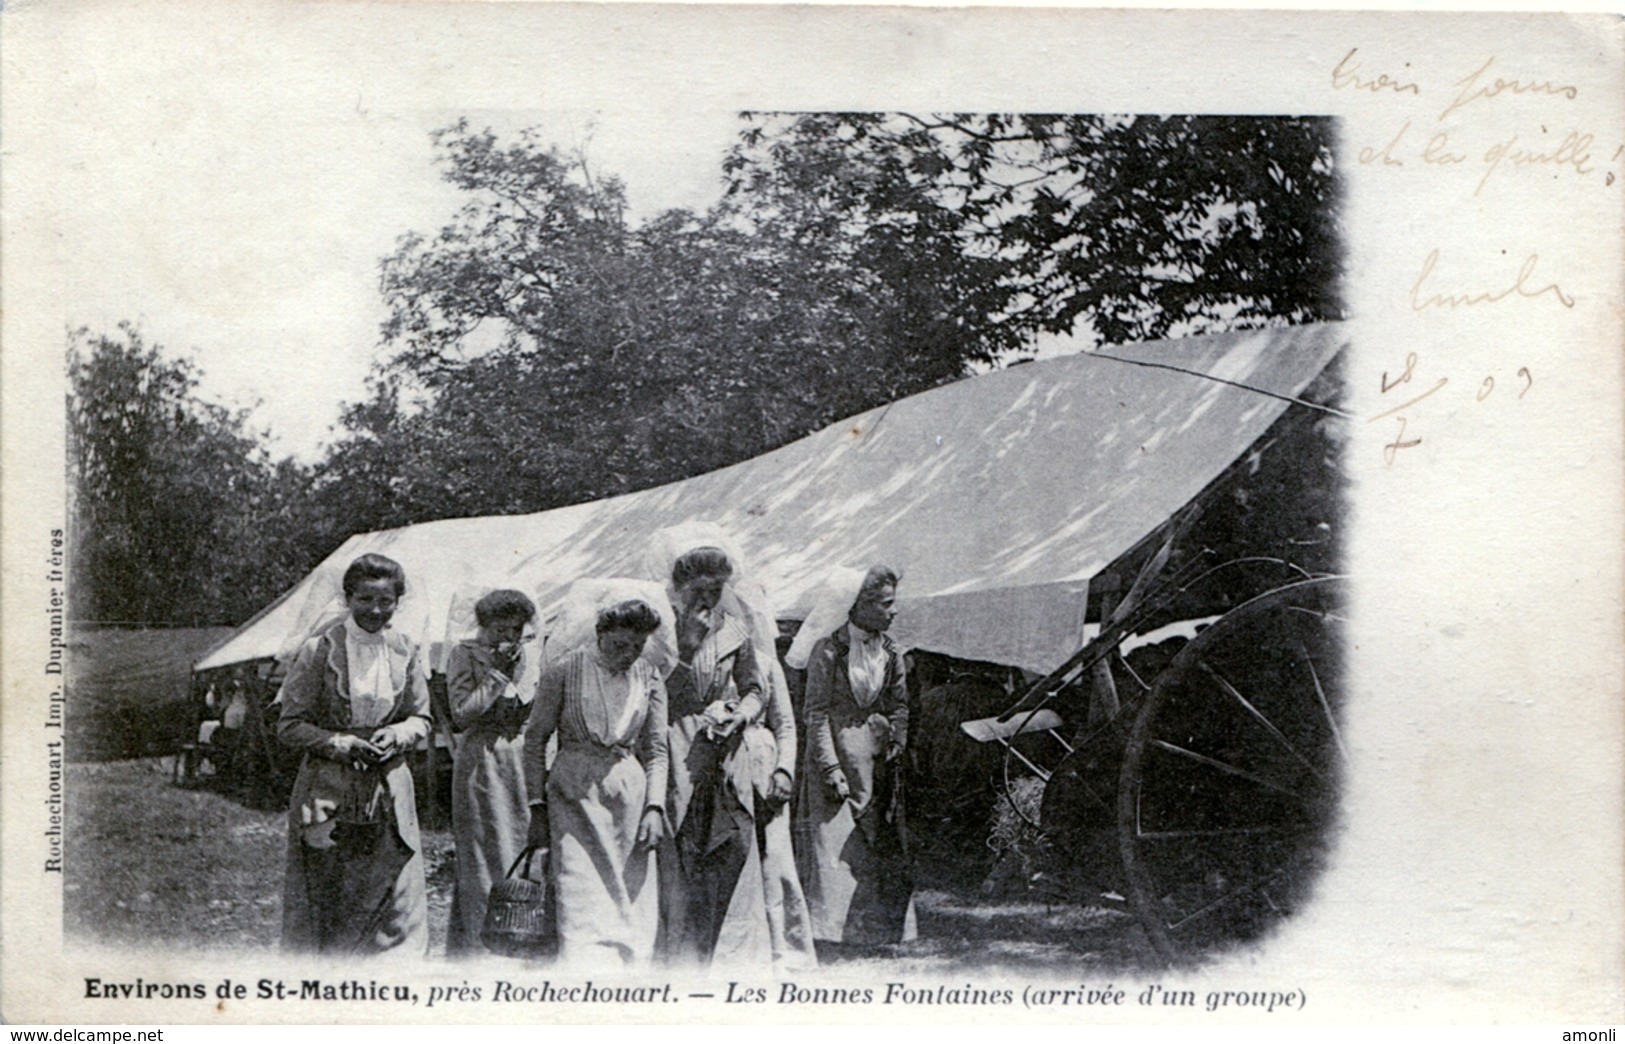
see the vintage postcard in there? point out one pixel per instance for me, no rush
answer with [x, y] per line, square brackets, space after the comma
[550, 513]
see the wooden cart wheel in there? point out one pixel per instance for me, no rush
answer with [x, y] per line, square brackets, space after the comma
[1230, 777]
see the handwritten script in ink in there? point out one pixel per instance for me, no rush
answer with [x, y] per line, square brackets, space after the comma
[1490, 135]
[1523, 285]
[1408, 396]
[1452, 140]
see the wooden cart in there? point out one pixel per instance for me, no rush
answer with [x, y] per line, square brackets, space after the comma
[1206, 796]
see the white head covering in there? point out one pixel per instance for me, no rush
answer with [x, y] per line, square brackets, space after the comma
[742, 596]
[831, 604]
[576, 621]
[461, 623]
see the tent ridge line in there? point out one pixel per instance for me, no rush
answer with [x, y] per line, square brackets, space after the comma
[1332, 410]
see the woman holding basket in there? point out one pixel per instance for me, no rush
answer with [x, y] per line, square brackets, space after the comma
[490, 701]
[600, 807]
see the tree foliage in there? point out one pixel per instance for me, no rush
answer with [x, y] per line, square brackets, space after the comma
[549, 351]
[1134, 227]
[546, 349]
[180, 516]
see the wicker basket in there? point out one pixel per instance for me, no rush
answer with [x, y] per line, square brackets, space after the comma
[520, 920]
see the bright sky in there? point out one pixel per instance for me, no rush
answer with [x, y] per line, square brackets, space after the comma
[233, 194]
[257, 255]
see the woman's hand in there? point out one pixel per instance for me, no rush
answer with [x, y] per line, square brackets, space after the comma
[505, 657]
[354, 750]
[722, 721]
[651, 829]
[385, 742]
[780, 789]
[538, 836]
[692, 627]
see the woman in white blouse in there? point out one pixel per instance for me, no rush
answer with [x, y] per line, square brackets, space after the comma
[855, 862]
[355, 702]
[601, 804]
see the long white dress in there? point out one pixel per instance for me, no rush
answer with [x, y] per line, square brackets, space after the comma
[610, 768]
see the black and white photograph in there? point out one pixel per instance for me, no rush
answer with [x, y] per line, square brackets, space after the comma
[613, 513]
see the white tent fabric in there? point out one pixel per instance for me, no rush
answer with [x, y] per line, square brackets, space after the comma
[997, 497]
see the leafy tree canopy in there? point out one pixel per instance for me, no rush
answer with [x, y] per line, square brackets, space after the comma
[180, 516]
[547, 349]
[1132, 227]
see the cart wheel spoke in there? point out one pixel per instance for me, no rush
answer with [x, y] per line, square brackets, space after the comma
[1225, 767]
[1228, 785]
[1122, 661]
[1325, 705]
[1258, 716]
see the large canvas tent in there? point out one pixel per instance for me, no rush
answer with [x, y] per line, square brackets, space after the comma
[999, 498]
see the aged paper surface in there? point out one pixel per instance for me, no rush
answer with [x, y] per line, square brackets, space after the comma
[1479, 874]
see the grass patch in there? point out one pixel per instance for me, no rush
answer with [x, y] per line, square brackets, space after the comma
[153, 864]
[959, 935]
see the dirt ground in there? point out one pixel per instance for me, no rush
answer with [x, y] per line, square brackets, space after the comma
[150, 862]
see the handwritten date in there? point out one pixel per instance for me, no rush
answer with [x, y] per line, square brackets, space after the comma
[1403, 413]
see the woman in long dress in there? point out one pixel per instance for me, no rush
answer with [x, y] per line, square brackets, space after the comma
[730, 894]
[489, 707]
[601, 805]
[854, 857]
[355, 701]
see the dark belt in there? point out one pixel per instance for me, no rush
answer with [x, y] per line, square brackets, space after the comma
[624, 750]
